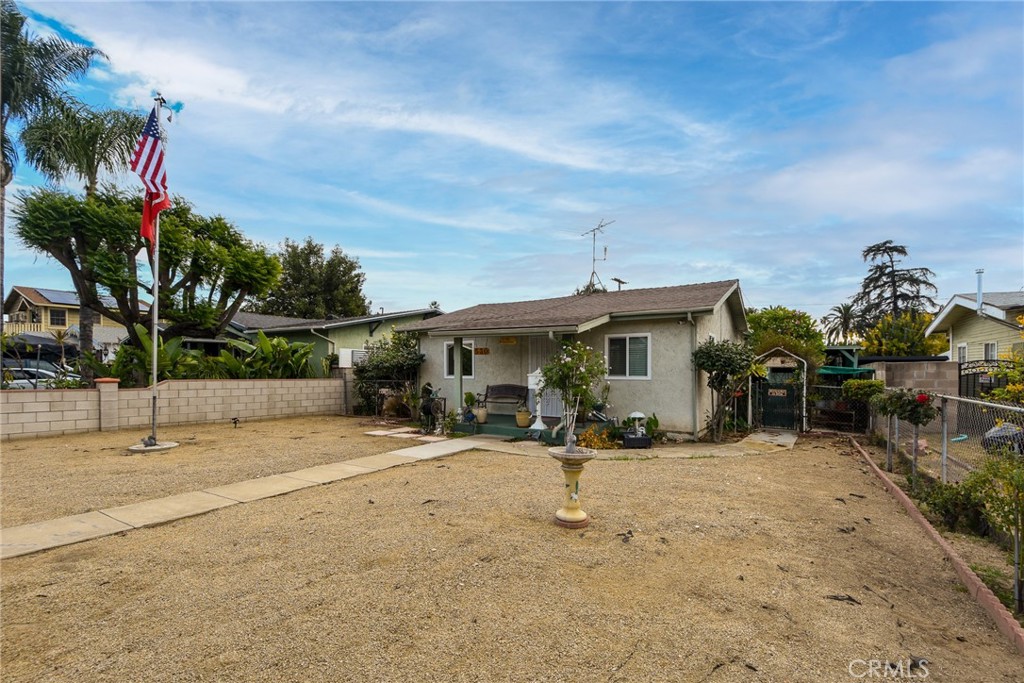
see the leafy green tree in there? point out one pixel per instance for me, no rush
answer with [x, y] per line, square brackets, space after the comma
[792, 330]
[392, 363]
[903, 336]
[207, 267]
[314, 285]
[728, 365]
[72, 140]
[840, 323]
[575, 371]
[34, 72]
[890, 290]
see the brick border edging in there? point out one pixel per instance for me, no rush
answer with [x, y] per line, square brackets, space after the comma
[1002, 617]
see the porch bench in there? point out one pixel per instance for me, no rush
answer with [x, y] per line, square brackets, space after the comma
[512, 394]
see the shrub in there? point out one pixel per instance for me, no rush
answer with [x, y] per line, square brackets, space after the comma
[862, 389]
[591, 438]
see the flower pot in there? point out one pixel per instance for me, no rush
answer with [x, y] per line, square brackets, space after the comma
[481, 415]
[523, 419]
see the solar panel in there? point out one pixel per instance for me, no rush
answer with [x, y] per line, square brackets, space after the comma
[62, 298]
[58, 297]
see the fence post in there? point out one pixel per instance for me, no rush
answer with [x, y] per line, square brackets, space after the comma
[110, 419]
[889, 441]
[945, 439]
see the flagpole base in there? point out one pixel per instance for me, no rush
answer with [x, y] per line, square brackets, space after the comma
[144, 449]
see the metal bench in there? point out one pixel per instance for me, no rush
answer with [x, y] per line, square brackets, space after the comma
[512, 394]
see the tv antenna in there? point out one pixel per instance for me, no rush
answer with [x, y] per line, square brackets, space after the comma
[619, 282]
[594, 279]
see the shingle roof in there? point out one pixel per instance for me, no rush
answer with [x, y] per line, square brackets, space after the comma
[573, 311]
[253, 321]
[1003, 300]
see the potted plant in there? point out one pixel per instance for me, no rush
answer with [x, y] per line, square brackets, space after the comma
[523, 415]
[475, 406]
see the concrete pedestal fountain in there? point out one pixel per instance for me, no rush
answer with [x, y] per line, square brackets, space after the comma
[571, 516]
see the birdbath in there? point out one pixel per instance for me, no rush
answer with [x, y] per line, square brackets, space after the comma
[570, 515]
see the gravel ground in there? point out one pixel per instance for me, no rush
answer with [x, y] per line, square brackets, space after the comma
[95, 471]
[789, 566]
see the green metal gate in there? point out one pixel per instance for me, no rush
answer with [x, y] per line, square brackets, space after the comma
[779, 405]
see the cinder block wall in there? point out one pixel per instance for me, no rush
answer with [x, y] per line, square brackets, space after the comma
[26, 413]
[937, 377]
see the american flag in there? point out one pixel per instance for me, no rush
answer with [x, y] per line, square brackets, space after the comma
[148, 162]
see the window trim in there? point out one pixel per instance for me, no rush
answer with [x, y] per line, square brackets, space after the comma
[962, 346]
[467, 343]
[995, 351]
[627, 336]
[63, 314]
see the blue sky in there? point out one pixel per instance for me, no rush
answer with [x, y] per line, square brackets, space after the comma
[462, 150]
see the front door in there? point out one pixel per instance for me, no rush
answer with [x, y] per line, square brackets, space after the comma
[779, 403]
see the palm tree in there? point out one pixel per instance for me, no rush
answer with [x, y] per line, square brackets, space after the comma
[34, 71]
[70, 139]
[839, 323]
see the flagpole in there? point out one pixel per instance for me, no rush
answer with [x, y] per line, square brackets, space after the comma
[155, 310]
[155, 307]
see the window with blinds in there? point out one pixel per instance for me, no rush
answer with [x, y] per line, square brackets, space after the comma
[629, 356]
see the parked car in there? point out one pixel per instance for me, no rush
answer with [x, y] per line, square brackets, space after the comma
[33, 378]
[39, 364]
[1005, 435]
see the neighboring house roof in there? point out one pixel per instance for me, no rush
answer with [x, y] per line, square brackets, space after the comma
[578, 313]
[105, 336]
[250, 322]
[38, 296]
[999, 307]
[244, 320]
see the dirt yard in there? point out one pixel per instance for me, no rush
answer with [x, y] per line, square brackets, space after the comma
[788, 566]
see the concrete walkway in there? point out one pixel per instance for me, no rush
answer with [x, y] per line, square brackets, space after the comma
[31, 538]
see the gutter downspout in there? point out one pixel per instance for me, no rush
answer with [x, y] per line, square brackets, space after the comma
[330, 344]
[695, 378]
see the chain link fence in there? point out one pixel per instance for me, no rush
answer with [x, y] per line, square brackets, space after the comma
[830, 410]
[957, 442]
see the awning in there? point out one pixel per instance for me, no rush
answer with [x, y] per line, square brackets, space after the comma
[839, 370]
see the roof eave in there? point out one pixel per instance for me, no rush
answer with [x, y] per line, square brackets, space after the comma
[504, 331]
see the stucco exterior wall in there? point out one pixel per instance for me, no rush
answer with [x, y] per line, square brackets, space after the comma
[668, 392]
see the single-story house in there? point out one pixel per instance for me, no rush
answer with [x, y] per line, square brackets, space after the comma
[647, 336]
[981, 332]
[345, 337]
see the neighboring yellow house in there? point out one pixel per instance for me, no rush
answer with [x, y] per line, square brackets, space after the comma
[44, 311]
[981, 333]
